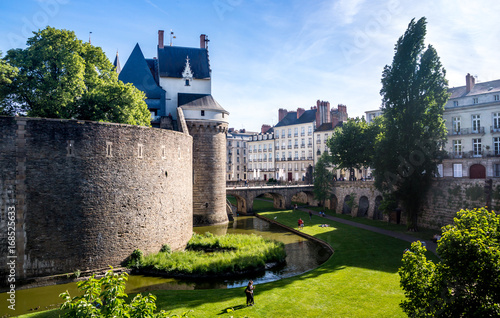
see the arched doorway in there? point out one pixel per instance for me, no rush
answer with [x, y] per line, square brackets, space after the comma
[333, 203]
[377, 214]
[346, 209]
[477, 171]
[363, 206]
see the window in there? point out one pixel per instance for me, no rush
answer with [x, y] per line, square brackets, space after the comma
[456, 125]
[309, 130]
[202, 113]
[496, 97]
[476, 123]
[496, 169]
[296, 155]
[289, 132]
[496, 145]
[296, 131]
[496, 122]
[326, 138]
[186, 83]
[139, 151]
[440, 171]
[237, 144]
[302, 131]
[455, 103]
[109, 148]
[475, 100]
[237, 151]
[457, 170]
[457, 147]
[476, 147]
[283, 133]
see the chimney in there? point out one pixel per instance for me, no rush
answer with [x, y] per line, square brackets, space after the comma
[160, 39]
[469, 82]
[264, 128]
[282, 114]
[300, 111]
[203, 41]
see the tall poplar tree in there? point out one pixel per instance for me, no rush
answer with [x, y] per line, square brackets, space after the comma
[323, 179]
[414, 91]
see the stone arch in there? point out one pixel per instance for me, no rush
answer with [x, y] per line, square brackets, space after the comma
[477, 171]
[306, 197]
[346, 209]
[377, 213]
[363, 206]
[333, 203]
[241, 203]
[279, 201]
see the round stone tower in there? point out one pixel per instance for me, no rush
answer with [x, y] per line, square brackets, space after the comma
[207, 123]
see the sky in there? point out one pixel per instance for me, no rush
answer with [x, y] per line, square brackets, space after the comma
[267, 55]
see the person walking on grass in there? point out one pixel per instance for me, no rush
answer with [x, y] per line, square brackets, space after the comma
[249, 293]
[310, 215]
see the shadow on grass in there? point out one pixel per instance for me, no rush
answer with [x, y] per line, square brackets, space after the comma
[229, 310]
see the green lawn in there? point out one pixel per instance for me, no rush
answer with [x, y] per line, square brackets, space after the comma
[423, 233]
[359, 280]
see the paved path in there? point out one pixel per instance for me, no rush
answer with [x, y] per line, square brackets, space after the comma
[431, 246]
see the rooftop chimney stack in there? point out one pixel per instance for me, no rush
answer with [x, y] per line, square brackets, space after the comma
[300, 111]
[282, 114]
[203, 41]
[160, 39]
[264, 128]
[470, 81]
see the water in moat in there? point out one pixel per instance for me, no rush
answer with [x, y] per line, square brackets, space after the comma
[302, 256]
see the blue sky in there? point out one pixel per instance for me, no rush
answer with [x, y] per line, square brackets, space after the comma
[267, 55]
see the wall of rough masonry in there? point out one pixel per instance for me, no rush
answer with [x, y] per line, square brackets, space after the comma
[448, 196]
[209, 172]
[87, 194]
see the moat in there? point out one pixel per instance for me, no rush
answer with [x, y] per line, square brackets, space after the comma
[302, 256]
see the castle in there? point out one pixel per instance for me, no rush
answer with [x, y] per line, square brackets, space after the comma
[84, 195]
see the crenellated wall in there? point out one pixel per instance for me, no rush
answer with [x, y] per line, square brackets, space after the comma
[87, 194]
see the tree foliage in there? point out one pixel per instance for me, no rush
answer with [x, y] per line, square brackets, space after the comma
[414, 91]
[7, 74]
[466, 283]
[105, 297]
[352, 145]
[323, 179]
[62, 77]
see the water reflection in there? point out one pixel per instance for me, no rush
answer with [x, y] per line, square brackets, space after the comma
[302, 256]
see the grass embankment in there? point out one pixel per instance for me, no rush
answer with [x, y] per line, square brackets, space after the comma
[209, 255]
[359, 280]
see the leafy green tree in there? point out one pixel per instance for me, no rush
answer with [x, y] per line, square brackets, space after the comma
[62, 77]
[414, 91]
[7, 73]
[466, 283]
[352, 145]
[323, 178]
[105, 297]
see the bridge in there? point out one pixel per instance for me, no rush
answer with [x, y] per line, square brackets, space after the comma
[357, 198]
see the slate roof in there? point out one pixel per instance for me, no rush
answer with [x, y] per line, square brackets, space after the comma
[478, 89]
[199, 101]
[291, 118]
[172, 60]
[328, 126]
[137, 71]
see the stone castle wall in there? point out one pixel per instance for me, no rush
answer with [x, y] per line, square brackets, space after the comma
[209, 171]
[448, 196]
[87, 194]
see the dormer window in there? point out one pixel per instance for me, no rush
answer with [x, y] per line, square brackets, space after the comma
[202, 113]
[187, 74]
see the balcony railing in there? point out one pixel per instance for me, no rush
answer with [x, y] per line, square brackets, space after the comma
[309, 133]
[249, 150]
[310, 158]
[494, 129]
[289, 135]
[296, 146]
[289, 159]
[277, 148]
[260, 150]
[283, 147]
[318, 141]
[265, 149]
[466, 131]
[309, 145]
[302, 134]
[303, 146]
[289, 146]
[296, 158]
[302, 158]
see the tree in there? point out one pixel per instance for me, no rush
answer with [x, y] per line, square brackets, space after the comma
[62, 77]
[414, 91]
[105, 297]
[352, 145]
[323, 178]
[466, 283]
[7, 73]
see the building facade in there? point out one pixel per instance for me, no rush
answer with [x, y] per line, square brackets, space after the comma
[261, 161]
[472, 118]
[237, 154]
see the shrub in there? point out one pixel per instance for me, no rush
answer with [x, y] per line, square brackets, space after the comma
[105, 297]
[165, 248]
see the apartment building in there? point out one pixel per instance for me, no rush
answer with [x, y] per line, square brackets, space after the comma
[261, 164]
[237, 154]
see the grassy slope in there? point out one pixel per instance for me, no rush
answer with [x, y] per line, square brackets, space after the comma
[359, 280]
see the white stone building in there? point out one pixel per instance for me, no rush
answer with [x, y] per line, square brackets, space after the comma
[237, 154]
[261, 162]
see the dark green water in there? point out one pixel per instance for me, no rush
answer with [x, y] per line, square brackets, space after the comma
[302, 256]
